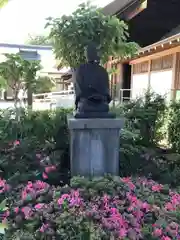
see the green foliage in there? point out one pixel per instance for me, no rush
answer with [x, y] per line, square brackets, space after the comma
[41, 134]
[30, 69]
[71, 34]
[38, 40]
[174, 126]
[174, 139]
[43, 85]
[12, 72]
[18, 73]
[145, 117]
[140, 153]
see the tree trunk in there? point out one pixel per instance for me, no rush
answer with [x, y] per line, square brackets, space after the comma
[15, 98]
[17, 109]
[29, 98]
[114, 94]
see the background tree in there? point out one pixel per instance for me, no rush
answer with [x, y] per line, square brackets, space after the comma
[11, 72]
[71, 34]
[44, 84]
[38, 40]
[30, 78]
[18, 73]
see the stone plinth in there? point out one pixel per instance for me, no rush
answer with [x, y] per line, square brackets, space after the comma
[94, 146]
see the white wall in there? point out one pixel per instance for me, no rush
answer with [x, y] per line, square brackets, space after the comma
[139, 85]
[161, 82]
[48, 61]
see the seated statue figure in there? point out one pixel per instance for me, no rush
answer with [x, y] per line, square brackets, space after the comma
[92, 88]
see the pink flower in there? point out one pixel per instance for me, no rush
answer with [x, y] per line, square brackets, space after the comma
[44, 227]
[157, 232]
[6, 214]
[131, 186]
[16, 210]
[4, 187]
[32, 188]
[45, 176]
[27, 212]
[126, 179]
[123, 232]
[157, 188]
[50, 169]
[166, 238]
[63, 198]
[170, 207]
[16, 143]
[39, 206]
[146, 206]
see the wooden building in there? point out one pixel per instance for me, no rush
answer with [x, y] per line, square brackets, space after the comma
[153, 24]
[157, 66]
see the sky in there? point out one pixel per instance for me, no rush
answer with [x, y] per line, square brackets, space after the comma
[22, 17]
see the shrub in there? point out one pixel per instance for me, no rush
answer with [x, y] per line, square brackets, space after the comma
[40, 142]
[145, 118]
[20, 163]
[103, 208]
[174, 126]
[141, 135]
[41, 126]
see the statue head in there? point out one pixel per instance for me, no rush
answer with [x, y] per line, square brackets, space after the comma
[91, 53]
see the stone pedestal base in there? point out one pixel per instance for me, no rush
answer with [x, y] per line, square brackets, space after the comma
[94, 146]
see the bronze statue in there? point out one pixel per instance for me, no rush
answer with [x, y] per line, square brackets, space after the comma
[92, 88]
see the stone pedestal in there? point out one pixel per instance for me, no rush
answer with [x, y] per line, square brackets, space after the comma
[94, 146]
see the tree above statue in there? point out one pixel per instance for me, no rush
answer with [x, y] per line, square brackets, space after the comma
[105, 35]
[71, 34]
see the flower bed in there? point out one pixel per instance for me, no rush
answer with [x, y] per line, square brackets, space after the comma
[99, 209]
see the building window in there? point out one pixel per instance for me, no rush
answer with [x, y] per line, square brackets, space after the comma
[140, 67]
[162, 63]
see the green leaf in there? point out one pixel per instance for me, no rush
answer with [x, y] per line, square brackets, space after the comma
[3, 205]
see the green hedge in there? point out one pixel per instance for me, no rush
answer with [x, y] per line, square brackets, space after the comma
[44, 141]
[28, 146]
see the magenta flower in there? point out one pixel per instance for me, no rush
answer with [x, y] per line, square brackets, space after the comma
[39, 206]
[4, 187]
[157, 232]
[27, 212]
[16, 210]
[157, 188]
[16, 143]
[44, 227]
[166, 238]
[45, 176]
[50, 169]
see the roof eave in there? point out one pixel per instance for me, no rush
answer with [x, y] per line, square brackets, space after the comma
[117, 6]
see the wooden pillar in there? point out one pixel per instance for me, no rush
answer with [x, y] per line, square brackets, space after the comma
[149, 74]
[132, 70]
[175, 75]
